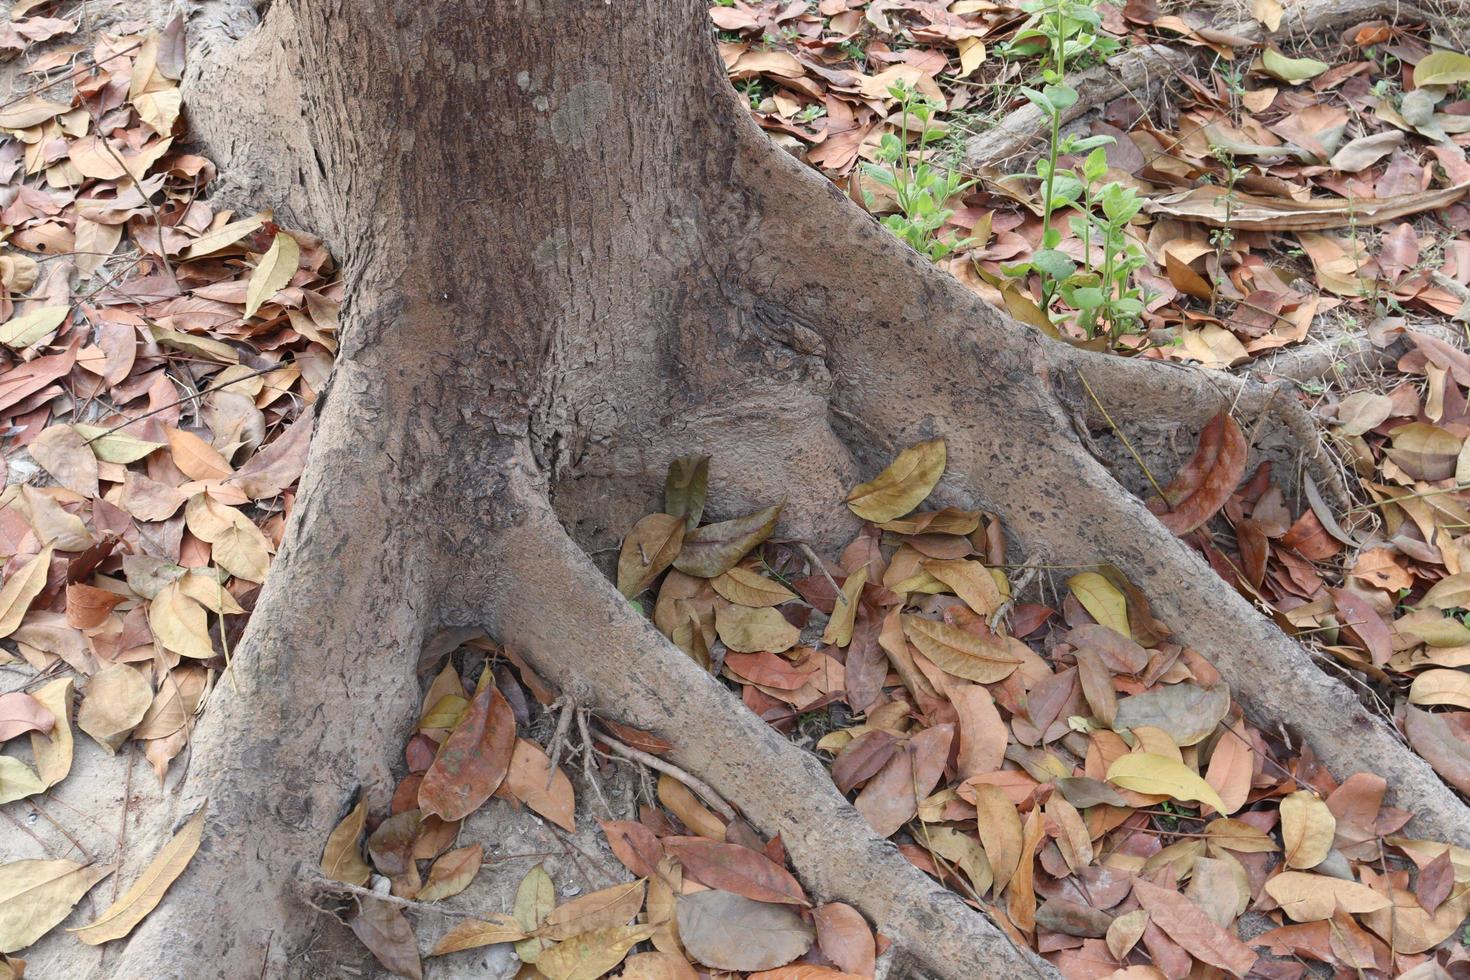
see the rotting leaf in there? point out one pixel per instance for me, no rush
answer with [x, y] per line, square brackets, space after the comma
[1187, 711]
[148, 890]
[902, 486]
[685, 488]
[473, 760]
[716, 548]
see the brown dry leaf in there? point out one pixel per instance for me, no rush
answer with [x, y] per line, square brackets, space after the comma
[1311, 898]
[52, 753]
[959, 652]
[87, 607]
[745, 587]
[1097, 686]
[195, 458]
[844, 938]
[116, 700]
[179, 623]
[737, 869]
[452, 873]
[148, 890]
[751, 630]
[1188, 925]
[21, 713]
[1214, 207]
[472, 933]
[716, 548]
[387, 933]
[1307, 829]
[1232, 766]
[342, 857]
[1021, 892]
[1410, 929]
[1000, 831]
[63, 453]
[1444, 744]
[983, 733]
[730, 932]
[527, 780]
[272, 274]
[657, 966]
[35, 896]
[473, 760]
[902, 486]
[1207, 480]
[1125, 932]
[648, 549]
[21, 589]
[607, 908]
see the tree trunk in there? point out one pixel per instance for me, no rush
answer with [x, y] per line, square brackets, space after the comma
[571, 257]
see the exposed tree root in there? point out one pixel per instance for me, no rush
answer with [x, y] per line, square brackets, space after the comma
[639, 677]
[1142, 70]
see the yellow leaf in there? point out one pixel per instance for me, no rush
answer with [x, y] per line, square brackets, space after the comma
[1102, 601]
[972, 55]
[473, 933]
[1268, 13]
[747, 588]
[223, 237]
[961, 653]
[606, 908]
[902, 486]
[592, 954]
[1442, 68]
[115, 447]
[1441, 687]
[52, 754]
[839, 627]
[342, 857]
[452, 873]
[148, 890]
[969, 580]
[21, 590]
[1307, 829]
[18, 780]
[273, 273]
[748, 630]
[22, 331]
[1159, 775]
[179, 623]
[35, 896]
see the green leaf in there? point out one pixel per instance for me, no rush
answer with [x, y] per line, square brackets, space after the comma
[22, 331]
[1293, 71]
[1442, 68]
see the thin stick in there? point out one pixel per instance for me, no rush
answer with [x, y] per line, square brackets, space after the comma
[322, 883]
[816, 562]
[64, 78]
[187, 398]
[696, 784]
[1126, 443]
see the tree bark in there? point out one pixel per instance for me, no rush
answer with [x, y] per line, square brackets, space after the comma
[571, 256]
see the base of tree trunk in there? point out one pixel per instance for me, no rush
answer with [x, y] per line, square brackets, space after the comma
[613, 269]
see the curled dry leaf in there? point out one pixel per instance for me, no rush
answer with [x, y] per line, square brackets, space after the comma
[1207, 480]
[716, 548]
[730, 932]
[342, 857]
[838, 631]
[148, 890]
[902, 486]
[21, 589]
[21, 713]
[648, 549]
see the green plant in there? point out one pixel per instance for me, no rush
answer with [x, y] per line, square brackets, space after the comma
[921, 188]
[1061, 31]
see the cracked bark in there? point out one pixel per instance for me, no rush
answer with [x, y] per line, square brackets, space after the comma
[571, 256]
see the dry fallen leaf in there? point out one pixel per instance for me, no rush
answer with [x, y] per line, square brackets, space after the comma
[148, 890]
[902, 486]
[35, 896]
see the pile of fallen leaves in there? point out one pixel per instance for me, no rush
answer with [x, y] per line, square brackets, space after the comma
[1258, 158]
[1066, 768]
[157, 357]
